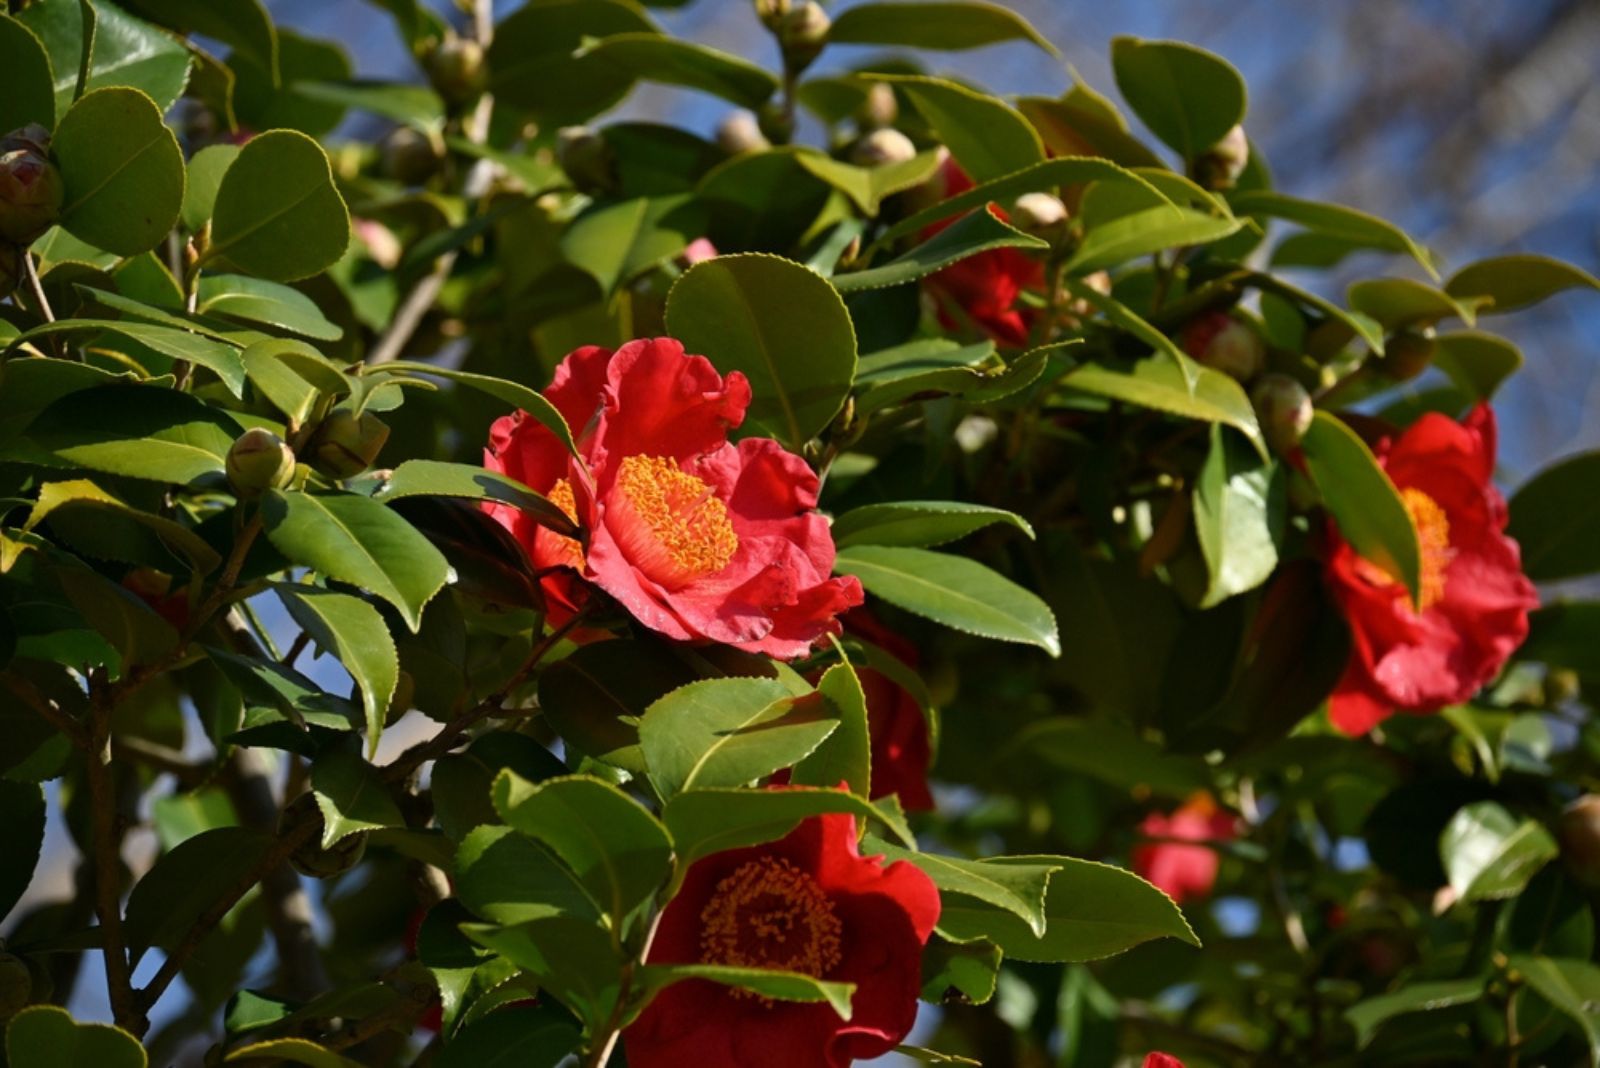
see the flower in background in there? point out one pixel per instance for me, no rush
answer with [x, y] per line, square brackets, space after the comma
[1475, 598]
[697, 537]
[1162, 1060]
[896, 723]
[806, 903]
[1181, 870]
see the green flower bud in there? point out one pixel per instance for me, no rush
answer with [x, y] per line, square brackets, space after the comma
[1219, 166]
[346, 444]
[802, 34]
[882, 147]
[775, 124]
[1579, 832]
[880, 109]
[259, 461]
[409, 156]
[739, 133]
[31, 192]
[1407, 353]
[31, 136]
[772, 12]
[1283, 408]
[1225, 344]
[457, 70]
[1040, 214]
[587, 158]
[16, 986]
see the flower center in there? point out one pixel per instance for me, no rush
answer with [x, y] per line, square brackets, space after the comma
[557, 548]
[673, 527]
[1433, 542]
[770, 914]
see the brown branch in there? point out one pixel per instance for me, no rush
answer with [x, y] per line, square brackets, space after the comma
[51, 713]
[106, 830]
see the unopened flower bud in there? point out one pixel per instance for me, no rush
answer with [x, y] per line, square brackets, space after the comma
[380, 242]
[880, 109]
[409, 156]
[259, 461]
[346, 444]
[776, 125]
[10, 268]
[1328, 339]
[31, 190]
[587, 158]
[1041, 214]
[1560, 686]
[456, 68]
[881, 148]
[802, 33]
[16, 986]
[1225, 344]
[1579, 833]
[311, 859]
[1219, 166]
[1283, 408]
[1100, 282]
[772, 12]
[31, 136]
[1407, 353]
[739, 133]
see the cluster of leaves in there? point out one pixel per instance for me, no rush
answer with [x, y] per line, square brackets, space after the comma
[1099, 496]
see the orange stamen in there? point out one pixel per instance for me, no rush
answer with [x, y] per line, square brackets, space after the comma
[770, 914]
[680, 529]
[1433, 541]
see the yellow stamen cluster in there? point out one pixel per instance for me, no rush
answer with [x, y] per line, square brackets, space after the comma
[1433, 541]
[570, 549]
[770, 914]
[689, 526]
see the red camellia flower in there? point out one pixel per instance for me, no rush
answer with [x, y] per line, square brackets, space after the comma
[1475, 598]
[1162, 1060]
[698, 537]
[1183, 871]
[896, 723]
[986, 286]
[806, 903]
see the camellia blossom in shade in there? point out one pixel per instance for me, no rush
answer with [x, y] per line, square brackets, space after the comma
[1162, 1060]
[1475, 599]
[986, 286]
[1183, 871]
[896, 723]
[807, 903]
[699, 538]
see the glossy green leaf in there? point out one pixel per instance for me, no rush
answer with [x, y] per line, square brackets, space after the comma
[517, 1036]
[1113, 753]
[1371, 515]
[1144, 232]
[1359, 325]
[128, 625]
[703, 822]
[1018, 888]
[955, 25]
[1555, 518]
[593, 698]
[269, 685]
[956, 970]
[145, 432]
[779, 323]
[262, 101]
[615, 847]
[358, 540]
[845, 756]
[953, 590]
[462, 784]
[652, 57]
[868, 186]
[1083, 123]
[351, 795]
[122, 169]
[278, 215]
[1489, 853]
[1240, 511]
[272, 370]
[268, 303]
[509, 878]
[1187, 96]
[533, 67]
[768, 982]
[618, 242]
[125, 52]
[219, 358]
[416, 105]
[1091, 911]
[1476, 361]
[1507, 283]
[186, 881]
[29, 95]
[728, 732]
[436, 478]
[512, 393]
[292, 1051]
[919, 524]
[1566, 634]
[988, 137]
[244, 24]
[990, 379]
[83, 495]
[1570, 986]
[22, 818]
[1400, 302]
[48, 1035]
[1368, 1015]
[354, 633]
[978, 232]
[1157, 382]
[1354, 227]
[573, 959]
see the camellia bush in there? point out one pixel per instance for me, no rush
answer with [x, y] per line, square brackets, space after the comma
[539, 589]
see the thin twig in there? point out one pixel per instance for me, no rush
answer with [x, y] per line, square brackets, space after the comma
[36, 288]
[56, 716]
[296, 648]
[602, 1052]
[106, 831]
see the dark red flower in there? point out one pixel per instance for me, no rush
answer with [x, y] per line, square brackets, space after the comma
[1475, 598]
[1183, 871]
[806, 903]
[698, 537]
[986, 286]
[1162, 1060]
[901, 752]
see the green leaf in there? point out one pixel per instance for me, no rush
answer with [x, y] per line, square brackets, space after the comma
[127, 624]
[1240, 510]
[652, 57]
[1111, 752]
[145, 432]
[573, 959]
[351, 796]
[354, 632]
[462, 784]
[703, 822]
[244, 24]
[124, 51]
[221, 359]
[953, 590]
[919, 524]
[517, 1036]
[992, 379]
[263, 100]
[988, 137]
[1489, 853]
[1187, 96]
[436, 478]
[170, 899]
[1359, 325]
[29, 95]
[1570, 986]
[1507, 283]
[22, 817]
[1371, 515]
[1018, 888]
[728, 732]
[274, 368]
[83, 495]
[1368, 1015]
[768, 982]
[1565, 635]
[779, 323]
[533, 66]
[1143, 232]
[1353, 227]
[206, 171]
[1091, 911]
[845, 756]
[47, 1035]
[292, 1051]
[953, 971]
[978, 232]
[258, 301]
[510, 878]
[611, 842]
[267, 684]
[868, 186]
[1083, 123]
[618, 242]
[948, 26]
[594, 697]
[358, 540]
[415, 105]
[1476, 361]
[1400, 302]
[122, 169]
[512, 393]
[278, 215]
[1555, 518]
[1157, 382]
